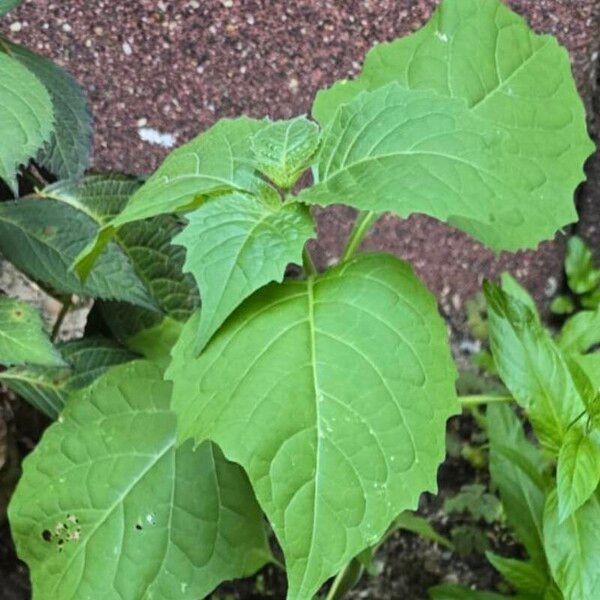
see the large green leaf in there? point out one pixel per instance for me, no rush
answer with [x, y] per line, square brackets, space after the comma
[451, 591]
[333, 394]
[48, 388]
[407, 151]
[42, 237]
[25, 114]
[518, 83]
[532, 367]
[516, 467]
[22, 336]
[284, 149]
[573, 548]
[578, 470]
[235, 245]
[67, 153]
[107, 502]
[6, 5]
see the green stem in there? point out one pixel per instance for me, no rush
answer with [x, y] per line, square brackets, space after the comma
[345, 580]
[66, 307]
[307, 263]
[467, 401]
[361, 226]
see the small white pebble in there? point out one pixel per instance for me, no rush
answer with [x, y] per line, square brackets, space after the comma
[66, 27]
[16, 27]
[152, 136]
[127, 49]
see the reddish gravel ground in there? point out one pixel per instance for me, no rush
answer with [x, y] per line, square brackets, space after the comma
[178, 66]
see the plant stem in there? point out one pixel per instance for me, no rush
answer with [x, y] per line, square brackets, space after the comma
[467, 401]
[345, 580]
[361, 226]
[66, 307]
[307, 263]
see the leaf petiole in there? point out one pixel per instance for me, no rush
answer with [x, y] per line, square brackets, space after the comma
[363, 223]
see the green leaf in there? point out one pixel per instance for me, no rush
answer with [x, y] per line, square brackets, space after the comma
[106, 498]
[408, 151]
[573, 548]
[511, 286]
[6, 5]
[562, 305]
[156, 342]
[580, 332]
[412, 522]
[42, 237]
[22, 336]
[48, 388]
[524, 576]
[450, 591]
[218, 161]
[582, 275]
[333, 394]
[235, 245]
[532, 367]
[67, 153]
[578, 470]
[284, 149]
[26, 116]
[518, 83]
[517, 467]
[473, 499]
[101, 197]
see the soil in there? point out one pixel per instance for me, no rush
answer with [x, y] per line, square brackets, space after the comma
[178, 66]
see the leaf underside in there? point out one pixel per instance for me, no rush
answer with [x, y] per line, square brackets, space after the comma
[107, 481]
[333, 394]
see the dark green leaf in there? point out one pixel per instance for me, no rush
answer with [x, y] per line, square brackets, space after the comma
[48, 388]
[582, 274]
[67, 152]
[26, 116]
[526, 577]
[474, 500]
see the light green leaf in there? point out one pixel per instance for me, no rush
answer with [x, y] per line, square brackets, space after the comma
[511, 286]
[459, 592]
[412, 522]
[562, 305]
[408, 151]
[155, 342]
[220, 160]
[48, 388]
[284, 149]
[518, 83]
[67, 153]
[474, 499]
[235, 245]
[6, 5]
[42, 237]
[517, 467]
[26, 116]
[333, 394]
[107, 499]
[578, 470]
[582, 275]
[580, 332]
[524, 576]
[22, 336]
[573, 548]
[532, 367]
